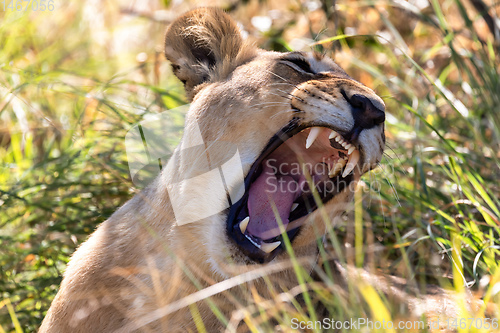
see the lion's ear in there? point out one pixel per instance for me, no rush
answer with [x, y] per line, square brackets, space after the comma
[202, 44]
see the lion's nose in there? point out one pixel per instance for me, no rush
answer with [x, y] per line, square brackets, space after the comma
[366, 115]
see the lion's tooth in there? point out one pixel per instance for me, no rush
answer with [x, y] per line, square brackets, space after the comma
[313, 134]
[337, 167]
[294, 206]
[353, 160]
[333, 134]
[244, 224]
[351, 149]
[269, 247]
[347, 146]
[338, 138]
[335, 170]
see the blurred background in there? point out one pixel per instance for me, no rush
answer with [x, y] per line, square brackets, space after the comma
[76, 76]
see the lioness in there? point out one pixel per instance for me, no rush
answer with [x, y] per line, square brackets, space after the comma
[302, 131]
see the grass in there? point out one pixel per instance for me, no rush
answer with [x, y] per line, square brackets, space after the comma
[430, 213]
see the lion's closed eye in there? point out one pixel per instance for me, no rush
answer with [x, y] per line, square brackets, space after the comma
[299, 63]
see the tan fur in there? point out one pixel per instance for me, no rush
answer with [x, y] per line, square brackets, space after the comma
[141, 261]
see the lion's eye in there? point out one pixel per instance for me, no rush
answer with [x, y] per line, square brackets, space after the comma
[302, 64]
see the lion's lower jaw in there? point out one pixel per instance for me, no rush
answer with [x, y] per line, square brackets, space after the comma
[226, 261]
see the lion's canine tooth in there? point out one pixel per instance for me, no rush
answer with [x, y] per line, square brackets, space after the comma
[353, 160]
[333, 134]
[337, 167]
[244, 224]
[269, 247]
[351, 149]
[313, 134]
[333, 172]
[294, 206]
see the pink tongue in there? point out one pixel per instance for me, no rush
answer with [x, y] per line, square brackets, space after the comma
[265, 192]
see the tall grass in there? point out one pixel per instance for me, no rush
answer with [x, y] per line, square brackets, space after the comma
[430, 213]
[66, 103]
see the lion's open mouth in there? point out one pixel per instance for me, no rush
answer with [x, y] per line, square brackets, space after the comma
[301, 168]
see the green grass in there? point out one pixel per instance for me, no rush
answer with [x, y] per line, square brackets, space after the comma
[430, 213]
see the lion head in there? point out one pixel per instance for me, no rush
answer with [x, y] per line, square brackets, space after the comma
[301, 130]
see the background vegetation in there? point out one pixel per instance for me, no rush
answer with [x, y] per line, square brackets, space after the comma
[73, 80]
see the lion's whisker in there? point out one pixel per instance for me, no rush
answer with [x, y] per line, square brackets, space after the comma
[284, 111]
[285, 80]
[292, 95]
[396, 196]
[268, 104]
[285, 97]
[293, 85]
[281, 83]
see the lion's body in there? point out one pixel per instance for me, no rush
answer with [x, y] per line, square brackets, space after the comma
[139, 263]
